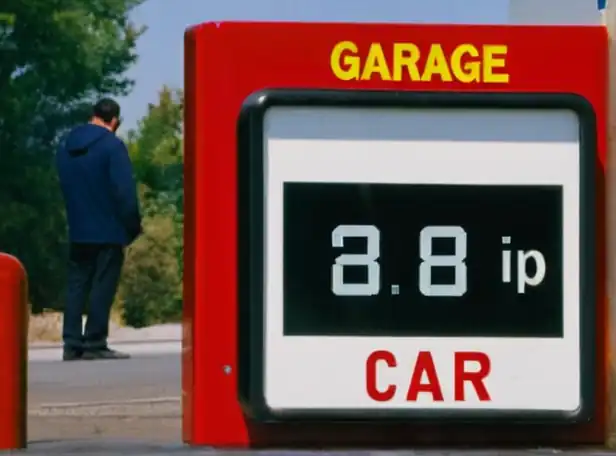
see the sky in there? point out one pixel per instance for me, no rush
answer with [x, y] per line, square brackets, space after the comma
[160, 49]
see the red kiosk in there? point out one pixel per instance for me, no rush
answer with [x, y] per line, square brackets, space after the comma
[395, 235]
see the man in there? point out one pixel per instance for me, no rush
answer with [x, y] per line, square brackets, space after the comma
[102, 209]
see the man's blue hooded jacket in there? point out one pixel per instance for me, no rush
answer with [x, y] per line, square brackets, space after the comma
[98, 186]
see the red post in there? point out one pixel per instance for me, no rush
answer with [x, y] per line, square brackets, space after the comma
[14, 355]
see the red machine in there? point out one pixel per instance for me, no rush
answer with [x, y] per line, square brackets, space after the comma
[14, 360]
[300, 137]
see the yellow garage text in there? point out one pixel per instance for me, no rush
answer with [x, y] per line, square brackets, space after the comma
[467, 63]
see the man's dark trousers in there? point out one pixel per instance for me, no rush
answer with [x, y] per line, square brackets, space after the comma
[94, 273]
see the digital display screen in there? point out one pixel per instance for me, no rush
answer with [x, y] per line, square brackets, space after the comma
[422, 260]
[416, 255]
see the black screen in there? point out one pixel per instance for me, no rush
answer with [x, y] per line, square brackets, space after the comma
[494, 218]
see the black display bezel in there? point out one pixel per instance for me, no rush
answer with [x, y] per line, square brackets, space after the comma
[251, 247]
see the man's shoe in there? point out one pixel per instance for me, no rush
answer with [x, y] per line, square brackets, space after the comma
[104, 353]
[71, 354]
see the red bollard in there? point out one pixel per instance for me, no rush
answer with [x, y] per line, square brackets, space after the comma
[14, 355]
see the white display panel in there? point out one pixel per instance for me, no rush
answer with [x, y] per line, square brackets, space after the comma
[419, 146]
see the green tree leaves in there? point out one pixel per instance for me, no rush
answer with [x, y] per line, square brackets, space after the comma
[55, 60]
[151, 288]
[156, 146]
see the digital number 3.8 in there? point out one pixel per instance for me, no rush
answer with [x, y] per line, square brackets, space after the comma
[370, 259]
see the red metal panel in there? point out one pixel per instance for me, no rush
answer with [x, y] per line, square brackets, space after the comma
[14, 355]
[225, 62]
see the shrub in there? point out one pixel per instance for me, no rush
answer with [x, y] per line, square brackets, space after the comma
[151, 287]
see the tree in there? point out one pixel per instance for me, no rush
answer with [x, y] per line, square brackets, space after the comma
[56, 58]
[156, 148]
[158, 154]
[151, 287]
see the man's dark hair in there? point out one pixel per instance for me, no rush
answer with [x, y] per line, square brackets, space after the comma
[106, 109]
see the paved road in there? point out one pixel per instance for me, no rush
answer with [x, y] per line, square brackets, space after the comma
[105, 408]
[124, 399]
[135, 449]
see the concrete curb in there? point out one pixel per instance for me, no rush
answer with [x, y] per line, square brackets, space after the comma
[133, 348]
[56, 345]
[168, 407]
[146, 400]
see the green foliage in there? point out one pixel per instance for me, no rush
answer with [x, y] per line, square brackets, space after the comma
[151, 288]
[56, 58]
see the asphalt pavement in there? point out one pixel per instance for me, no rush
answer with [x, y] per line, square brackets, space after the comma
[132, 407]
[92, 402]
[143, 449]
[142, 377]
